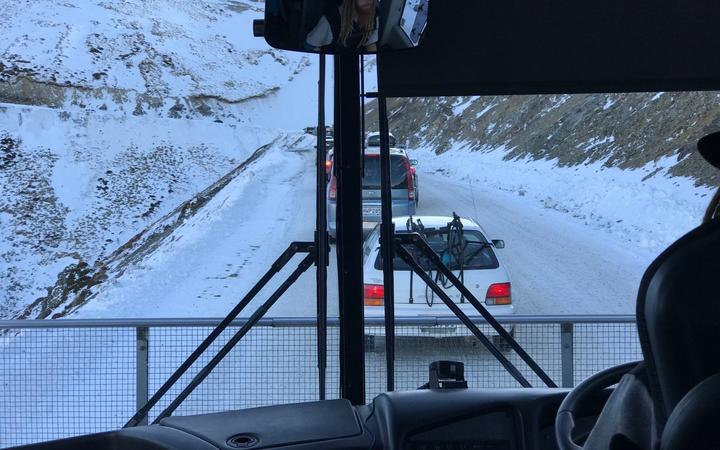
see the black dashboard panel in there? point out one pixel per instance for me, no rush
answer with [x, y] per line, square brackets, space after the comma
[457, 419]
[273, 426]
[483, 419]
[491, 430]
[139, 438]
[466, 419]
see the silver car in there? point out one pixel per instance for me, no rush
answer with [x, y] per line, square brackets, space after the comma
[403, 189]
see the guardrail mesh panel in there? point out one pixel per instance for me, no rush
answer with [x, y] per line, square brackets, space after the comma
[61, 382]
[270, 365]
[601, 345]
[58, 383]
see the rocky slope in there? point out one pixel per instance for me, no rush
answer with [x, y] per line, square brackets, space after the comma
[620, 130]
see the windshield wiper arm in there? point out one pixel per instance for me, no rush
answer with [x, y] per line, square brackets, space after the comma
[252, 320]
[294, 248]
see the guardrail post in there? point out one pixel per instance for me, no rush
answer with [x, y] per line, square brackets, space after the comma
[141, 368]
[566, 351]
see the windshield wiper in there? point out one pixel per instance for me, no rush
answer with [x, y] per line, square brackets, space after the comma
[309, 248]
[483, 246]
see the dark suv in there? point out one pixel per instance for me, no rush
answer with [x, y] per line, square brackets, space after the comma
[403, 189]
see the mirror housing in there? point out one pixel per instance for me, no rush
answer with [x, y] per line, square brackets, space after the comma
[413, 162]
[498, 243]
[258, 28]
[323, 26]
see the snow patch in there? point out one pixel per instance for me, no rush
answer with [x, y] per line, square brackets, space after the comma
[656, 96]
[597, 141]
[557, 101]
[485, 110]
[461, 105]
[608, 104]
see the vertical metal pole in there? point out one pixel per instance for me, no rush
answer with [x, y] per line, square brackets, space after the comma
[362, 109]
[321, 238]
[348, 162]
[566, 349]
[387, 232]
[141, 369]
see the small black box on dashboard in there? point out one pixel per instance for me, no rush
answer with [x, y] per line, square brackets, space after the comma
[447, 375]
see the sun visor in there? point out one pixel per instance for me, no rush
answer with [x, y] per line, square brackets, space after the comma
[481, 47]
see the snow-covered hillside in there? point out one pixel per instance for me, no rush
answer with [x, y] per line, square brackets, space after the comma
[113, 114]
[202, 258]
[159, 57]
[78, 186]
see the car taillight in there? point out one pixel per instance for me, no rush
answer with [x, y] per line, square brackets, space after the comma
[374, 294]
[410, 184]
[332, 195]
[498, 294]
[328, 165]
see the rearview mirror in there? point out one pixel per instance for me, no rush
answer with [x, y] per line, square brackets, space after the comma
[340, 26]
[498, 243]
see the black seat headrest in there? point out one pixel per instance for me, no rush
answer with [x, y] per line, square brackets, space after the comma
[694, 421]
[678, 317]
[709, 148]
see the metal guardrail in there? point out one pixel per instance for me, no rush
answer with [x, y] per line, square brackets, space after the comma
[301, 321]
[66, 377]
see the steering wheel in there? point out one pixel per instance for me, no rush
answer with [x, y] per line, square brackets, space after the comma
[565, 418]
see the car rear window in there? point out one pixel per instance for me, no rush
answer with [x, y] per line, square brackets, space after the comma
[399, 167]
[374, 141]
[477, 254]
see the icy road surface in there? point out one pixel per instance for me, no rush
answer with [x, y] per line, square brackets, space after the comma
[557, 265]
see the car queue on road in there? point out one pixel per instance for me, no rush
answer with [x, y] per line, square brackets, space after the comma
[476, 263]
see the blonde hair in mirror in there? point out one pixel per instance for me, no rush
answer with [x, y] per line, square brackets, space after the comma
[347, 16]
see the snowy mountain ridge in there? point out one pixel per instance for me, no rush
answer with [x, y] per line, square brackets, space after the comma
[627, 131]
